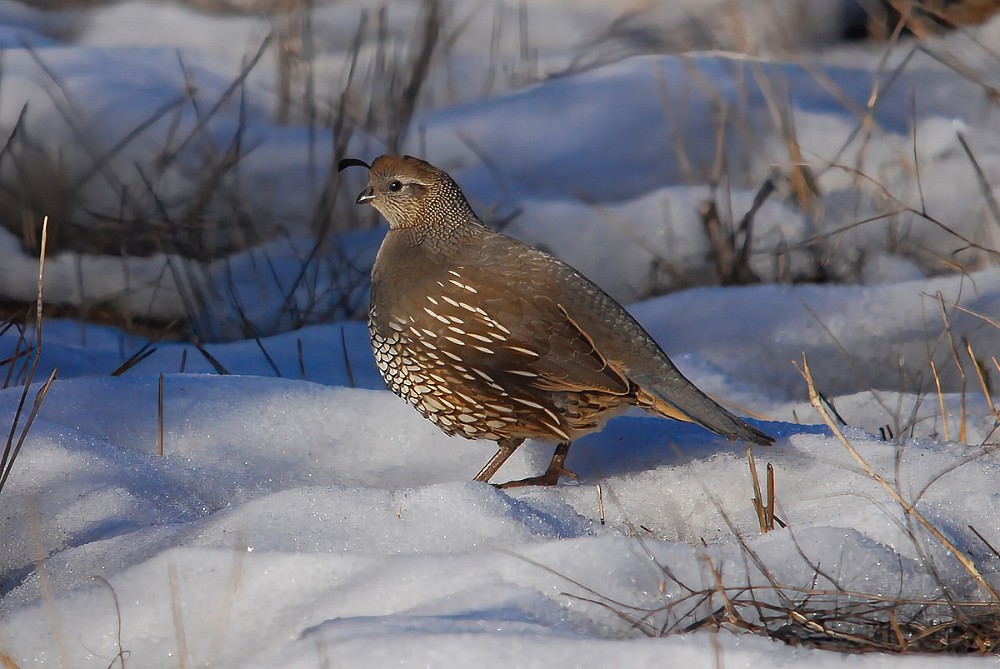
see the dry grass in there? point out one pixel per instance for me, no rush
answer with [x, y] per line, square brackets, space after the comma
[216, 223]
[15, 439]
[960, 616]
[822, 613]
[382, 88]
[98, 209]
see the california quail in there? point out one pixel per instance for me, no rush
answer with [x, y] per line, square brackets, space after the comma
[490, 338]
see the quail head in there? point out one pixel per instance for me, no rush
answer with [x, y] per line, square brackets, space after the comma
[490, 338]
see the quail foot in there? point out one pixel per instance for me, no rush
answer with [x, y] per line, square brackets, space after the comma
[490, 338]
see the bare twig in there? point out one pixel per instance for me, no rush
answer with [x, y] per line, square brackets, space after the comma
[147, 350]
[159, 417]
[982, 373]
[347, 359]
[120, 656]
[11, 449]
[39, 556]
[177, 615]
[958, 363]
[895, 494]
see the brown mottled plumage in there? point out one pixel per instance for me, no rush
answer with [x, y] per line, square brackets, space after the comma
[490, 338]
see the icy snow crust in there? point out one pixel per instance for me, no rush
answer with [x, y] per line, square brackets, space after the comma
[301, 516]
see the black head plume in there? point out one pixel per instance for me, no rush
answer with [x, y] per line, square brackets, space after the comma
[352, 162]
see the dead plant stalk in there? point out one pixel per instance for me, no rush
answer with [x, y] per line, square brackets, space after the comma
[896, 495]
[11, 449]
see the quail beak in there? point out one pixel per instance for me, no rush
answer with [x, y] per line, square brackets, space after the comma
[367, 195]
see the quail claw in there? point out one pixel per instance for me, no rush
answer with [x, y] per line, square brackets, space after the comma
[551, 475]
[549, 478]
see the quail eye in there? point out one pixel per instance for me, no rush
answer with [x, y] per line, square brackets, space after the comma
[395, 186]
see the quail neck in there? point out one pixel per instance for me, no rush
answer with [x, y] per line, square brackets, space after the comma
[424, 205]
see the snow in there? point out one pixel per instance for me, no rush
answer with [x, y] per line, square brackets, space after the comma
[273, 520]
[302, 516]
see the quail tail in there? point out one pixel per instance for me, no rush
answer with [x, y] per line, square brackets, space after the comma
[674, 396]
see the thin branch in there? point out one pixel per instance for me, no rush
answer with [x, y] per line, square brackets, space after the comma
[895, 494]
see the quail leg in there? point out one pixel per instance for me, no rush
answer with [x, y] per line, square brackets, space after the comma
[505, 450]
[551, 475]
